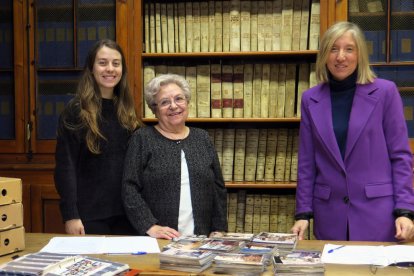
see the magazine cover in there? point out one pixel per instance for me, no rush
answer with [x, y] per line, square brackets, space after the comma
[182, 256]
[234, 236]
[222, 245]
[240, 259]
[259, 248]
[300, 257]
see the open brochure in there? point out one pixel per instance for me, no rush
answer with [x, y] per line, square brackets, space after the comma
[51, 264]
[365, 254]
[102, 245]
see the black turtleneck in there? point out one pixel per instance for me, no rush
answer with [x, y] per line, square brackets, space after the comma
[342, 95]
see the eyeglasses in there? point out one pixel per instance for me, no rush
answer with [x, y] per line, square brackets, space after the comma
[404, 265]
[166, 103]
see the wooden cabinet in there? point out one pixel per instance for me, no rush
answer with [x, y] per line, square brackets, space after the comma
[43, 45]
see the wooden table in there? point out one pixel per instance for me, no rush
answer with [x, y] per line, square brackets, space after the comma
[149, 263]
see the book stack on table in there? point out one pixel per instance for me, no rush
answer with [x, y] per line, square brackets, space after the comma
[299, 262]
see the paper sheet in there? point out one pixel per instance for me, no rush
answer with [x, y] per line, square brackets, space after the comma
[102, 245]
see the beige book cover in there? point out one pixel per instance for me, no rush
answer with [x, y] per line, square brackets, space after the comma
[281, 154]
[312, 75]
[375, 5]
[238, 93]
[288, 163]
[241, 208]
[274, 202]
[177, 69]
[281, 92]
[290, 213]
[189, 25]
[353, 6]
[216, 107]
[170, 27]
[146, 27]
[287, 25]
[218, 21]
[296, 24]
[176, 28]
[261, 25]
[253, 27]
[158, 29]
[264, 94]
[245, 25]
[239, 154]
[295, 149]
[314, 25]
[265, 213]
[164, 27]
[235, 26]
[271, 145]
[248, 214]
[268, 26]
[248, 90]
[211, 132]
[211, 26]
[182, 27]
[290, 90]
[252, 143]
[303, 85]
[257, 89]
[152, 35]
[261, 155]
[226, 25]
[196, 27]
[228, 153]
[160, 69]
[257, 208]
[218, 144]
[227, 90]
[232, 212]
[204, 27]
[304, 26]
[276, 24]
[281, 218]
[273, 89]
[149, 74]
[203, 91]
[191, 77]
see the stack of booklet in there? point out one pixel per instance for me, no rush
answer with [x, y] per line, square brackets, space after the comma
[189, 260]
[285, 242]
[240, 264]
[51, 264]
[299, 262]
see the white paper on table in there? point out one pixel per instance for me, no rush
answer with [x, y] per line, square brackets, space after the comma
[102, 245]
[366, 254]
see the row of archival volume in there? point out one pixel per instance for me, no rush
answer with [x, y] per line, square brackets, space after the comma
[255, 213]
[241, 90]
[372, 6]
[237, 253]
[236, 25]
[257, 154]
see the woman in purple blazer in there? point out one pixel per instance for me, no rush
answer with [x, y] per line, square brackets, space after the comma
[355, 167]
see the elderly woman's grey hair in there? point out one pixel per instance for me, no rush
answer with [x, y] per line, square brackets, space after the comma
[155, 85]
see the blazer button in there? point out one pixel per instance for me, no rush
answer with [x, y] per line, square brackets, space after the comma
[346, 199]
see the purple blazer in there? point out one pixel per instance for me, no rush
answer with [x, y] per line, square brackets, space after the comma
[374, 178]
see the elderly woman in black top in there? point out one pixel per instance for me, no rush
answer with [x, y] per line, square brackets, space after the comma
[172, 182]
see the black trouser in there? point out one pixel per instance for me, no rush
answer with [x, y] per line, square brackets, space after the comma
[118, 225]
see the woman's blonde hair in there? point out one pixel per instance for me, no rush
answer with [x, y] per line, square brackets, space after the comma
[89, 100]
[365, 73]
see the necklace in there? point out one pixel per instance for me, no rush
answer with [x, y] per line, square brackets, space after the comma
[173, 135]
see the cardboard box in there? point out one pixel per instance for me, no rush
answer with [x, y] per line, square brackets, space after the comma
[11, 216]
[12, 241]
[10, 190]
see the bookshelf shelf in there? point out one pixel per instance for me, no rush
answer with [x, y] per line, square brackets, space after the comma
[233, 120]
[306, 53]
[261, 185]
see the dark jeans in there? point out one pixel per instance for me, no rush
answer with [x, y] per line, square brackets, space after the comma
[110, 226]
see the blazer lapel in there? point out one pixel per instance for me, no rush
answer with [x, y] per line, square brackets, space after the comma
[362, 107]
[320, 110]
